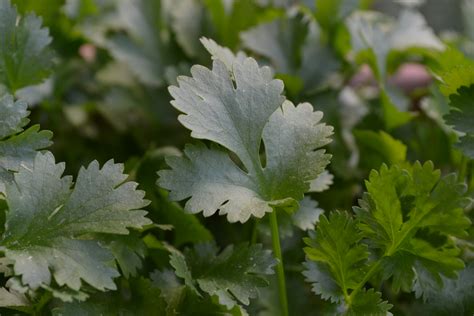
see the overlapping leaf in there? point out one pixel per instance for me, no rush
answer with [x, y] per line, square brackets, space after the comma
[404, 212]
[292, 45]
[46, 221]
[146, 49]
[25, 58]
[141, 298]
[234, 275]
[380, 35]
[405, 221]
[374, 37]
[17, 148]
[451, 296]
[340, 258]
[238, 105]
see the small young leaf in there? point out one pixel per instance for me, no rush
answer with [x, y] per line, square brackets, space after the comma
[307, 215]
[340, 258]
[238, 105]
[234, 275]
[368, 303]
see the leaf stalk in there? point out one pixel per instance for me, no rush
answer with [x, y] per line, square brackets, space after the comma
[280, 268]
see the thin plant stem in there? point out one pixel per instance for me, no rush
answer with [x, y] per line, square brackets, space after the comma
[280, 269]
[254, 236]
[463, 168]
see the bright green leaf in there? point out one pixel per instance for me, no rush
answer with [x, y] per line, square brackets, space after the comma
[340, 258]
[401, 213]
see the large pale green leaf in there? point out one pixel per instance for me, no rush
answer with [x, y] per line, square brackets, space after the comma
[25, 58]
[46, 219]
[238, 105]
[233, 275]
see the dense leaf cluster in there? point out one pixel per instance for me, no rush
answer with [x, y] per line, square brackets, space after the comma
[271, 113]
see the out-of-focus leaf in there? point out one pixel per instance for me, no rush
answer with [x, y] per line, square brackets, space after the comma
[25, 58]
[233, 275]
[461, 117]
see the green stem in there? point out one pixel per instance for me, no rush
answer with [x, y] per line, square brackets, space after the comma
[366, 279]
[254, 236]
[280, 269]
[463, 168]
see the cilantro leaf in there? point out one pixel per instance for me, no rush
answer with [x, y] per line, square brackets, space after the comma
[25, 58]
[453, 70]
[186, 20]
[237, 104]
[181, 300]
[187, 228]
[379, 35]
[17, 148]
[128, 250]
[404, 211]
[374, 37]
[461, 117]
[368, 303]
[377, 148]
[234, 275]
[337, 252]
[278, 41]
[307, 215]
[449, 296]
[12, 298]
[141, 297]
[46, 219]
[292, 44]
[146, 47]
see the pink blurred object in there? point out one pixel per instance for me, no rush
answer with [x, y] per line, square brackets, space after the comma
[408, 77]
[411, 76]
[88, 52]
[364, 77]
